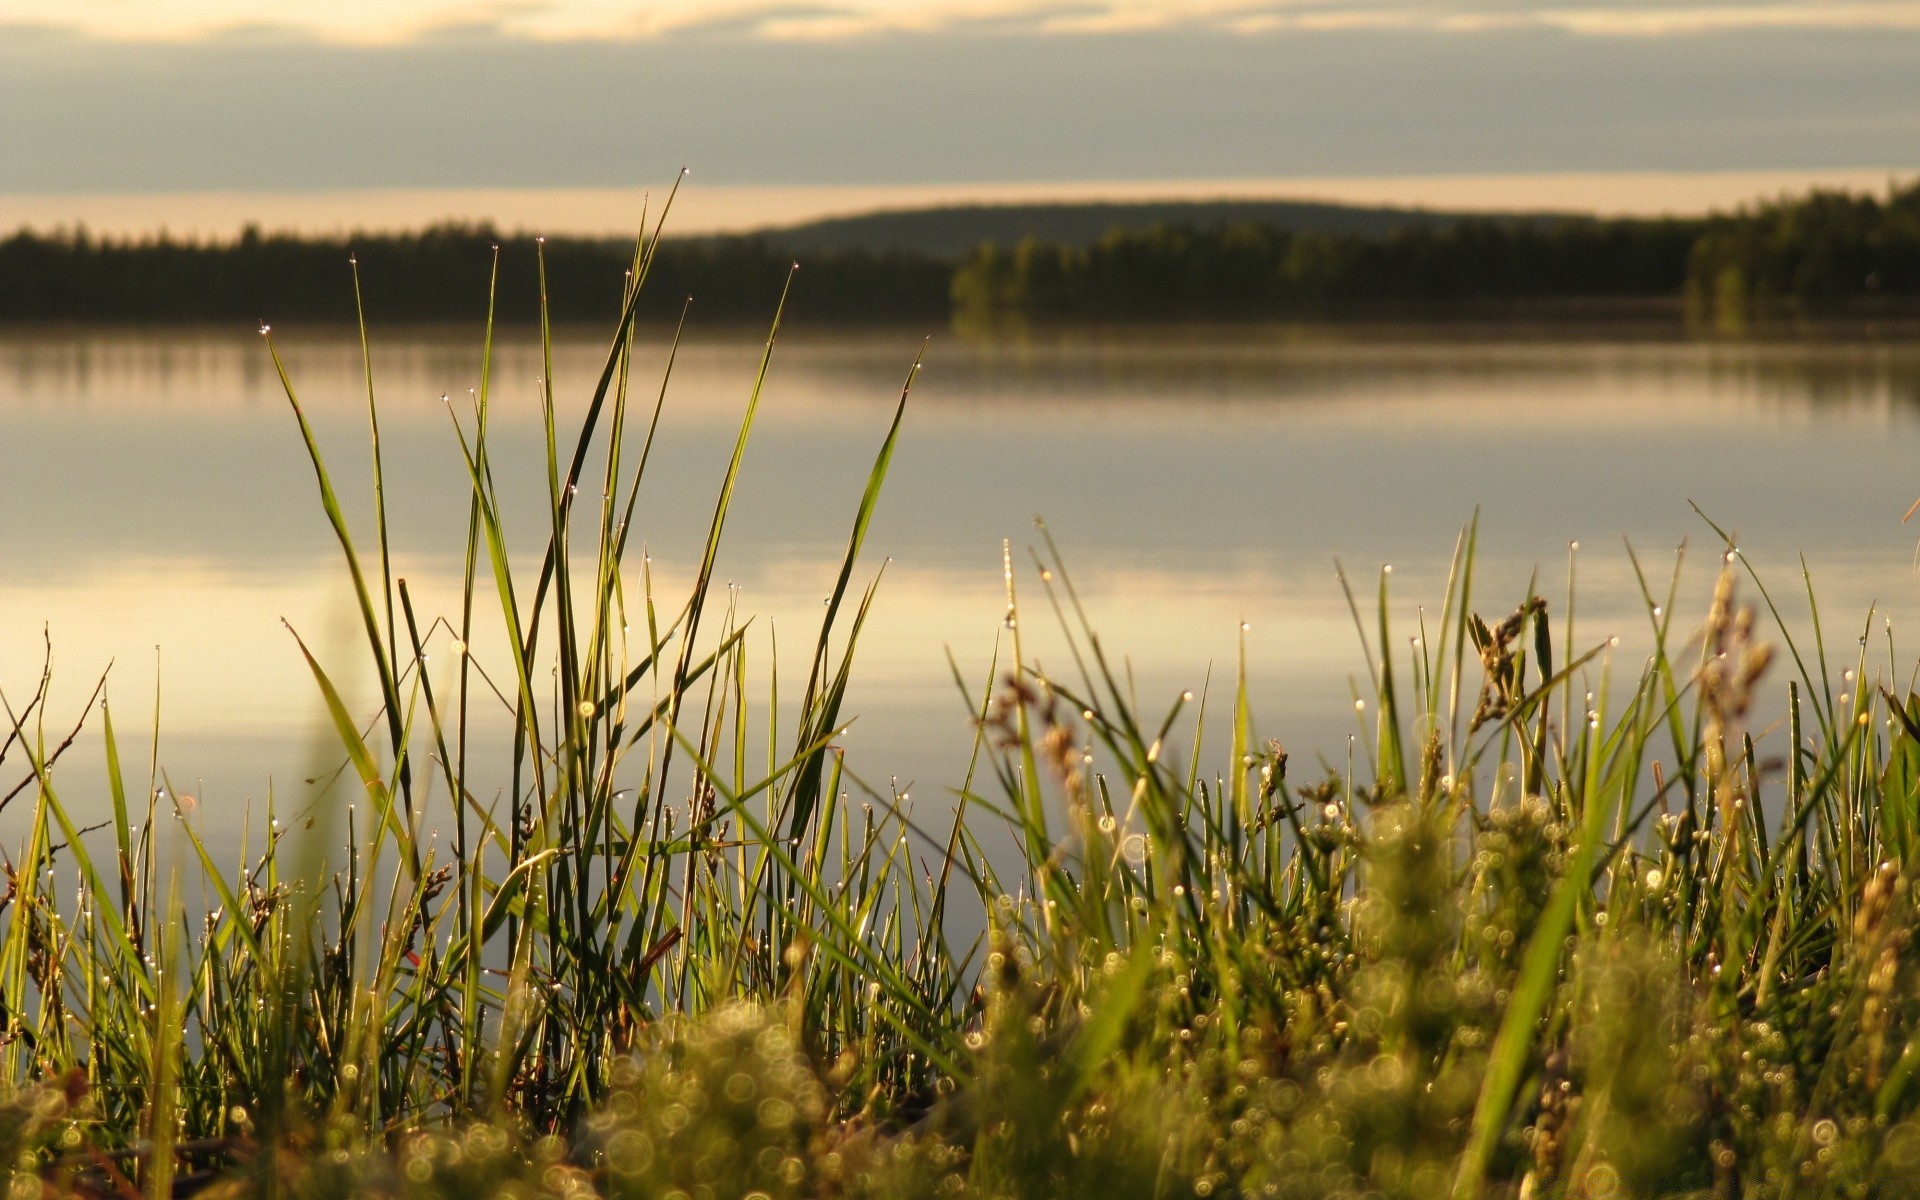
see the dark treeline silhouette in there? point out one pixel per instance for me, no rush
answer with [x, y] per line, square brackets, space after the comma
[441, 274]
[1254, 270]
[1823, 249]
[954, 230]
[1824, 252]
[1827, 251]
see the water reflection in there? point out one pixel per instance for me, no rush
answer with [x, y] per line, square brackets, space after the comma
[155, 494]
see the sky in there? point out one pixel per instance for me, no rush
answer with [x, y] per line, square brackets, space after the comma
[165, 105]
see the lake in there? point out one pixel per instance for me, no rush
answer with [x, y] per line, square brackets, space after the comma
[157, 511]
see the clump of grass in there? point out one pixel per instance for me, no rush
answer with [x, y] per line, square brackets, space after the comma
[1568, 928]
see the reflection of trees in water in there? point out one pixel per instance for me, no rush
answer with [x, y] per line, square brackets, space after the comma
[1823, 376]
[1321, 363]
[1252, 366]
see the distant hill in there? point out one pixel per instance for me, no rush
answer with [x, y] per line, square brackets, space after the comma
[956, 230]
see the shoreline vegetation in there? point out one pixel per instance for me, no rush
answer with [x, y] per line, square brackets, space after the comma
[1561, 924]
[1825, 255]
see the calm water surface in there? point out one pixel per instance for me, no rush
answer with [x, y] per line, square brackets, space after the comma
[157, 513]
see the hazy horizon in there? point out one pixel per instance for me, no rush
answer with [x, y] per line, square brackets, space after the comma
[702, 209]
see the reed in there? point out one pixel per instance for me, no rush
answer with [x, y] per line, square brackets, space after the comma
[1567, 926]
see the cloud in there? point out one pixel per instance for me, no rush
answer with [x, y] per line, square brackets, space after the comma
[375, 22]
[1002, 100]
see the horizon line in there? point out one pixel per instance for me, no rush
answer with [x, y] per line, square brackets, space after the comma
[704, 210]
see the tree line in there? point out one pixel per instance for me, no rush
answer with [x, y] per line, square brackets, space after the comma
[1823, 251]
[443, 273]
[1827, 248]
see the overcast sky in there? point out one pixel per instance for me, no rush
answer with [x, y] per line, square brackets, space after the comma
[195, 95]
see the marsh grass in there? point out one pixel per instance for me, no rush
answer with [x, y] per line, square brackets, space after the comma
[1566, 926]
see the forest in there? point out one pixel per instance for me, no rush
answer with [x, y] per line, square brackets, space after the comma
[1826, 251]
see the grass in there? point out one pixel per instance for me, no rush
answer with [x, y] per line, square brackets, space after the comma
[1569, 927]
